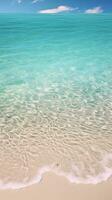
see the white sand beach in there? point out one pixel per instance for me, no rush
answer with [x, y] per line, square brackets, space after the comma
[53, 187]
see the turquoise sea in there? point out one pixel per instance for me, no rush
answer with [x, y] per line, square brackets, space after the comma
[55, 98]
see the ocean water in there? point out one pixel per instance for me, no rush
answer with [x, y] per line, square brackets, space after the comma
[55, 98]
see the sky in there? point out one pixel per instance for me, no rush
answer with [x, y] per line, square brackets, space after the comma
[56, 6]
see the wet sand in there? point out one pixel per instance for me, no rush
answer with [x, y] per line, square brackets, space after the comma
[53, 187]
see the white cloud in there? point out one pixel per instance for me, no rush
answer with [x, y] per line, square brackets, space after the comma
[56, 10]
[35, 1]
[95, 10]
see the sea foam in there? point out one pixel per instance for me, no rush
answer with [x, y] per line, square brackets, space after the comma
[99, 178]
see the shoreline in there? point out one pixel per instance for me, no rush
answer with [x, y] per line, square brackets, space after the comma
[53, 187]
[70, 178]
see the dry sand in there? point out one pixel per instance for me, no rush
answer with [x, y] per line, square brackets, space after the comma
[53, 187]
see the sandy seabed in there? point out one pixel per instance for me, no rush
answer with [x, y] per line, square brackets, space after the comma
[54, 187]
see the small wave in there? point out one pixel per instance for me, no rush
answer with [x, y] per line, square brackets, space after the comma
[101, 177]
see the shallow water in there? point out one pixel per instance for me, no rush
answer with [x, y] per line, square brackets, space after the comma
[55, 98]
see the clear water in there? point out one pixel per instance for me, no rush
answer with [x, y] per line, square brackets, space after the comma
[55, 98]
